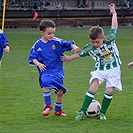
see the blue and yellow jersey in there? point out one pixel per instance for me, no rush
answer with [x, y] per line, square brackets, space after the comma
[49, 54]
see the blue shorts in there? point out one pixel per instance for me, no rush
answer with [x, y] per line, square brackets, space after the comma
[52, 82]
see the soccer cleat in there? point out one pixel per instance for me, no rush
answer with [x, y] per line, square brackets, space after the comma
[60, 113]
[47, 109]
[102, 116]
[81, 115]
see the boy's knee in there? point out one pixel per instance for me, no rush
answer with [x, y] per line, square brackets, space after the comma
[46, 89]
[110, 90]
[60, 92]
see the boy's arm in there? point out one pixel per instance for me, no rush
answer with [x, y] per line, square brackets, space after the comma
[6, 48]
[75, 48]
[114, 16]
[67, 58]
[130, 64]
[41, 66]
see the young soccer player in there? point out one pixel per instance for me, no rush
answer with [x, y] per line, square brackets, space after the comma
[45, 54]
[4, 46]
[130, 64]
[107, 68]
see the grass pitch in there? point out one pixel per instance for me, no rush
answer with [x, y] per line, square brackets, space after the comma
[21, 100]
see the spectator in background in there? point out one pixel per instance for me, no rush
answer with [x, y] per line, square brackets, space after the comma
[13, 3]
[47, 3]
[127, 4]
[35, 4]
[83, 4]
[58, 4]
[87, 3]
[22, 4]
[42, 3]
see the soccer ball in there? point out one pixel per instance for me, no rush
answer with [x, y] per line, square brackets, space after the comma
[93, 109]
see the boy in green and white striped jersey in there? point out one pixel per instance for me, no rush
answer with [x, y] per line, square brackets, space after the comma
[107, 68]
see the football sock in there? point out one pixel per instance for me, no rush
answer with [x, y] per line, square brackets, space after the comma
[58, 106]
[87, 100]
[106, 102]
[47, 98]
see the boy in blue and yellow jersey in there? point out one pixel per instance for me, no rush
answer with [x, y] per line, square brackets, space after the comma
[45, 54]
[4, 46]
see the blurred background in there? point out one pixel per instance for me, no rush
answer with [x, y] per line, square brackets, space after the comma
[68, 13]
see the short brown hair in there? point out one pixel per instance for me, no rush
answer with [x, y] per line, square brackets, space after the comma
[45, 23]
[96, 32]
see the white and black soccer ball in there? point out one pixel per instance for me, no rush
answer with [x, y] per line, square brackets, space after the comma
[93, 109]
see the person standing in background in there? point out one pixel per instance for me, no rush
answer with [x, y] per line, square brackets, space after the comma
[4, 46]
[83, 4]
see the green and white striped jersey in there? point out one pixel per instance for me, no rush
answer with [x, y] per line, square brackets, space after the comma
[107, 55]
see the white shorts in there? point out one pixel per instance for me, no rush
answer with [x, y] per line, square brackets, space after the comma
[112, 77]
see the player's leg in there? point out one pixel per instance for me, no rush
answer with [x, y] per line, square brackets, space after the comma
[113, 81]
[88, 99]
[47, 101]
[45, 83]
[108, 95]
[84, 3]
[78, 4]
[58, 104]
[90, 94]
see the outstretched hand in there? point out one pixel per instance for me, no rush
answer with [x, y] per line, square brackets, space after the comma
[112, 8]
[77, 50]
[65, 58]
[41, 66]
[130, 64]
[7, 49]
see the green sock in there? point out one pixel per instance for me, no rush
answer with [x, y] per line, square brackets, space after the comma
[106, 102]
[87, 100]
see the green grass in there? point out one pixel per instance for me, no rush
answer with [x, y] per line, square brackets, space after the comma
[21, 100]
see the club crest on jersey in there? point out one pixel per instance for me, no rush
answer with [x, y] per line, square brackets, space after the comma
[53, 47]
[107, 57]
